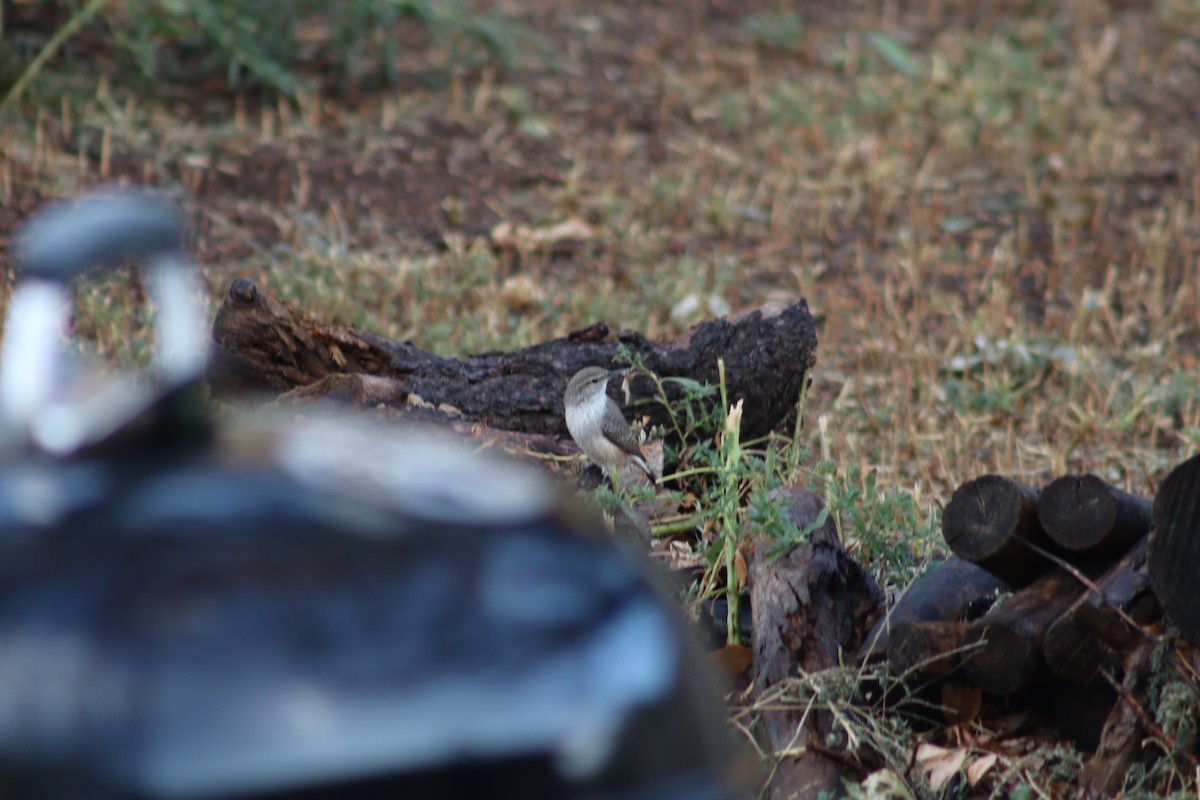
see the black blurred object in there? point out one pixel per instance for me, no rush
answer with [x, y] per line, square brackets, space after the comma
[281, 610]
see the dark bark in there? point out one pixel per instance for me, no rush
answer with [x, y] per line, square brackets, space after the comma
[1086, 515]
[988, 520]
[1121, 738]
[1175, 549]
[925, 650]
[1091, 635]
[954, 590]
[1080, 712]
[1009, 657]
[391, 402]
[262, 345]
[808, 607]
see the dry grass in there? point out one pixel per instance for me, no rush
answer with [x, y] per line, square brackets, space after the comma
[993, 212]
[993, 209]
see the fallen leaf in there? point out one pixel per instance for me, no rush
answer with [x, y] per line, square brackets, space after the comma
[521, 292]
[979, 767]
[885, 785]
[564, 235]
[940, 764]
[732, 660]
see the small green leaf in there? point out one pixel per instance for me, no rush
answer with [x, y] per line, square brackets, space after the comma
[781, 31]
[894, 54]
[700, 389]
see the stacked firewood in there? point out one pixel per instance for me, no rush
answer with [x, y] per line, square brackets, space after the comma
[1057, 595]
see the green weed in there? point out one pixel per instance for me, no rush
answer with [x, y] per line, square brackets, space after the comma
[267, 42]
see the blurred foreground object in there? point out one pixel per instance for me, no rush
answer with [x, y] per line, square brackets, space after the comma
[257, 608]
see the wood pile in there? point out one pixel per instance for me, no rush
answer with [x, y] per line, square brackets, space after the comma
[1056, 594]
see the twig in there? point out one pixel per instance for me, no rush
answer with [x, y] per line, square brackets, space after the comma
[1152, 727]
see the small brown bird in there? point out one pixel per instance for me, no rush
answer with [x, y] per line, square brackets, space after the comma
[597, 424]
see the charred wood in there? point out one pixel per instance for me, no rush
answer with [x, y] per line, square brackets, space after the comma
[1174, 562]
[1098, 628]
[1089, 516]
[925, 650]
[1009, 656]
[988, 520]
[954, 590]
[808, 607]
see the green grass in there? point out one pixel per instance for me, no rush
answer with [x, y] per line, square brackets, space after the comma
[273, 43]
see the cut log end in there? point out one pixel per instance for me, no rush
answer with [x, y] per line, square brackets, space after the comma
[1077, 510]
[981, 516]
[1010, 637]
[989, 520]
[1084, 513]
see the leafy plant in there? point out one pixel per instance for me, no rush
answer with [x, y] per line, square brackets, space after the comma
[265, 41]
[894, 53]
[894, 533]
[72, 26]
[780, 31]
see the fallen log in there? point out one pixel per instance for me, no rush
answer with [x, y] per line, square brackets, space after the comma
[260, 345]
[954, 590]
[1094, 632]
[1086, 515]
[1175, 550]
[988, 521]
[1009, 656]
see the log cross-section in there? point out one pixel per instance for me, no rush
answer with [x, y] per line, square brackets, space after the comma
[989, 520]
[1087, 515]
[1098, 628]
